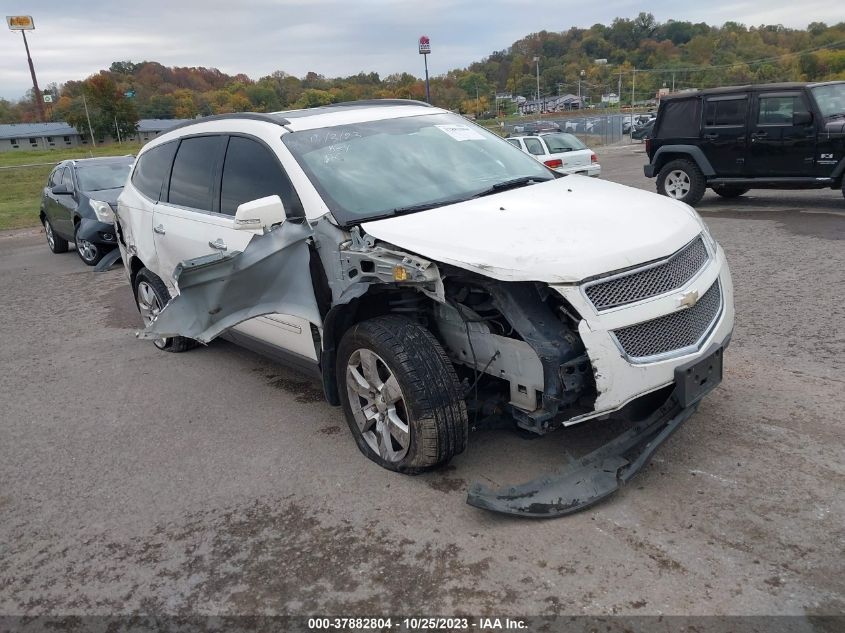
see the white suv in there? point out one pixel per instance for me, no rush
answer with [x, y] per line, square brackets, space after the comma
[435, 278]
[561, 151]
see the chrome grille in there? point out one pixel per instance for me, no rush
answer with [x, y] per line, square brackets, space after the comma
[672, 332]
[668, 275]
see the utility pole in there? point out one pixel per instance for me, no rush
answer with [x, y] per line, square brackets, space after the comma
[537, 61]
[633, 87]
[88, 116]
[24, 23]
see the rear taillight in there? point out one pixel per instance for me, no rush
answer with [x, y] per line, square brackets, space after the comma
[594, 158]
[648, 146]
[554, 163]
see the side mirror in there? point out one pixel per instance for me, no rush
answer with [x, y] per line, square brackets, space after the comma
[260, 213]
[61, 190]
[802, 118]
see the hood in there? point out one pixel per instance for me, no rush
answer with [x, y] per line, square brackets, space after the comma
[105, 195]
[561, 231]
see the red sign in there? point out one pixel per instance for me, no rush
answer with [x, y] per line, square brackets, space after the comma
[425, 45]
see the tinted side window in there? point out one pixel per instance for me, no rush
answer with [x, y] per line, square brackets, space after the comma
[779, 110]
[67, 178]
[152, 169]
[534, 146]
[55, 178]
[726, 112]
[513, 142]
[251, 171]
[191, 181]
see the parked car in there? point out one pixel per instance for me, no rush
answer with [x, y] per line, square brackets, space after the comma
[434, 278]
[77, 205]
[767, 136]
[643, 132]
[562, 152]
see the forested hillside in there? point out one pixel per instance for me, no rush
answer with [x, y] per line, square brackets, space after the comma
[640, 53]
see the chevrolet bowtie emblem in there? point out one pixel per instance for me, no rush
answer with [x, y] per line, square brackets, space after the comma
[688, 299]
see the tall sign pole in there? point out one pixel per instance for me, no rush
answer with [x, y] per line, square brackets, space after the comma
[425, 49]
[24, 23]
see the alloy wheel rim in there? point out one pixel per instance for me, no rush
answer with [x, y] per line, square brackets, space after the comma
[378, 405]
[49, 231]
[678, 184]
[86, 249]
[149, 306]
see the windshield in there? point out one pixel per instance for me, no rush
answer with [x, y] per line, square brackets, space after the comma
[103, 176]
[383, 168]
[562, 143]
[830, 99]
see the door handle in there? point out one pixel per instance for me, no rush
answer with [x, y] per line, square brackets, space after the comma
[159, 229]
[757, 135]
[711, 137]
[219, 244]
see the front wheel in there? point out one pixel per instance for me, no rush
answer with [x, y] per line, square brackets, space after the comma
[731, 192]
[400, 395]
[88, 252]
[681, 180]
[151, 295]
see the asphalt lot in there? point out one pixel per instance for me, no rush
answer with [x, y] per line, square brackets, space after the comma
[133, 480]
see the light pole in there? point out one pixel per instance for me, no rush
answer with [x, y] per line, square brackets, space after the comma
[537, 61]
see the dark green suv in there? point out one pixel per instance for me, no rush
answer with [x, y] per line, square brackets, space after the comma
[767, 136]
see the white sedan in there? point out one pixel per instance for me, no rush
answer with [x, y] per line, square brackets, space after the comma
[561, 151]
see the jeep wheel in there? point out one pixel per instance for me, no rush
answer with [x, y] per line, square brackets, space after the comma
[682, 180]
[400, 395]
[731, 192]
[151, 295]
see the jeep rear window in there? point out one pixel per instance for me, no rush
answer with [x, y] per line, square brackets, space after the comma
[380, 168]
[679, 119]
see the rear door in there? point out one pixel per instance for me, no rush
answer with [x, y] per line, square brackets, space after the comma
[48, 199]
[724, 133]
[778, 146]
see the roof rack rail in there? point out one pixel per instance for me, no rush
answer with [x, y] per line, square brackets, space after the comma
[253, 116]
[378, 102]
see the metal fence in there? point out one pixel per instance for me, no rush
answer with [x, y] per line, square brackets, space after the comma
[593, 130]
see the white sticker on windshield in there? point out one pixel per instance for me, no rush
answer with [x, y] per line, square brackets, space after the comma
[461, 132]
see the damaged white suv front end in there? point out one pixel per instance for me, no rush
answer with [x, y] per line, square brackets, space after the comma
[443, 276]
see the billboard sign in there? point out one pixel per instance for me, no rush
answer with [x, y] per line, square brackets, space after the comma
[425, 45]
[20, 22]
[48, 98]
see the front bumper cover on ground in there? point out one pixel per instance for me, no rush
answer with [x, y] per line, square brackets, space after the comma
[602, 472]
[592, 478]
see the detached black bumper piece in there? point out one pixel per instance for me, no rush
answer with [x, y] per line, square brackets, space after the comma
[592, 478]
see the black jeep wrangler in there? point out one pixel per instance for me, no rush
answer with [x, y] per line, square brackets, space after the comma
[767, 136]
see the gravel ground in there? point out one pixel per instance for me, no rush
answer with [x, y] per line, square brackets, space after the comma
[217, 482]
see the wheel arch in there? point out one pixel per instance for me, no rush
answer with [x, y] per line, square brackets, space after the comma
[668, 153]
[341, 317]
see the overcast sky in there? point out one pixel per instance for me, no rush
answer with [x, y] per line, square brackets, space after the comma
[75, 39]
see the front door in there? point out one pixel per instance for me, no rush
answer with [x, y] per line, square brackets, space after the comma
[724, 136]
[779, 145]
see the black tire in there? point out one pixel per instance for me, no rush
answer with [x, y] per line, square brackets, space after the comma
[731, 192]
[433, 404]
[174, 344]
[57, 244]
[690, 172]
[88, 252]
